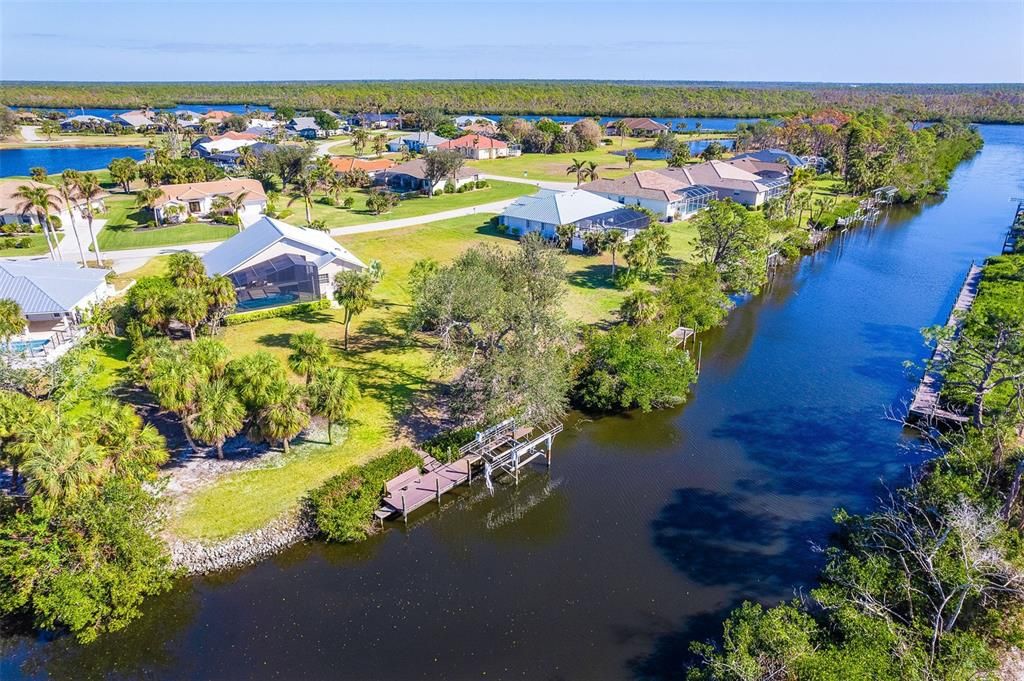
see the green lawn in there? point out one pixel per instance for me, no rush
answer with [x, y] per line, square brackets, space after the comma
[37, 246]
[123, 217]
[553, 166]
[391, 372]
[415, 206]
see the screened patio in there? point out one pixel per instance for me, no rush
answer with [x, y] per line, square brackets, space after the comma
[281, 280]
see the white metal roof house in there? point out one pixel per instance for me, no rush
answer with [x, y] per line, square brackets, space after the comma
[11, 212]
[83, 121]
[52, 296]
[273, 263]
[547, 209]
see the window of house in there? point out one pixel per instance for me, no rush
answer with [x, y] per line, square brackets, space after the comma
[194, 206]
[324, 279]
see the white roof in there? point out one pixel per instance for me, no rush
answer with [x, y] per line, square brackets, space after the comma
[264, 233]
[225, 144]
[42, 287]
[560, 208]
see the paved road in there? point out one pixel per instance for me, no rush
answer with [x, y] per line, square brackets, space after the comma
[127, 260]
[542, 184]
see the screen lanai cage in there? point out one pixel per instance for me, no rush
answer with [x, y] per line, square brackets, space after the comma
[281, 280]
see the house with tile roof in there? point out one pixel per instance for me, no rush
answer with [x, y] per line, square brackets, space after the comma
[12, 208]
[411, 176]
[477, 147]
[346, 164]
[52, 297]
[178, 201]
[546, 210]
[273, 263]
[217, 115]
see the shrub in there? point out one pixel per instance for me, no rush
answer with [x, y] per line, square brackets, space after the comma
[348, 202]
[8, 242]
[445, 447]
[482, 184]
[343, 507]
[284, 214]
[191, 218]
[449, 187]
[283, 311]
[327, 201]
[464, 188]
[23, 242]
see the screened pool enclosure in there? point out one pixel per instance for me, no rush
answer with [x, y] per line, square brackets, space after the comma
[281, 280]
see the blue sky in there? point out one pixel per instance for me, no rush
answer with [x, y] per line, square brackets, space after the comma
[896, 41]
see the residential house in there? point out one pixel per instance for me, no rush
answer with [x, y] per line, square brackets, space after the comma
[217, 116]
[197, 198]
[763, 169]
[547, 209]
[273, 263]
[189, 119]
[680, 192]
[773, 156]
[84, 122]
[233, 157]
[377, 121]
[463, 121]
[209, 147]
[476, 147]
[52, 297]
[263, 127]
[307, 128]
[345, 164]
[10, 205]
[418, 142]
[138, 120]
[637, 127]
[488, 129]
[412, 176]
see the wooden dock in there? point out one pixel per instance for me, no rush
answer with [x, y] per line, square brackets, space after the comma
[504, 447]
[927, 405]
[1015, 234]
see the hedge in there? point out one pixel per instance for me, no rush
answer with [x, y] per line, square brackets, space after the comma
[283, 311]
[445, 447]
[343, 507]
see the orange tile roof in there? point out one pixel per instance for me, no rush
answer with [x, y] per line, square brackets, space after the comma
[217, 113]
[344, 164]
[232, 135]
[199, 190]
[473, 141]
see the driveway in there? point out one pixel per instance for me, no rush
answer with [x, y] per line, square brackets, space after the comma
[29, 132]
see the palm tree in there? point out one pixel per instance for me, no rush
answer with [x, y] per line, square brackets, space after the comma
[89, 190]
[191, 308]
[305, 187]
[256, 378]
[147, 198]
[231, 205]
[211, 355]
[613, 240]
[577, 167]
[360, 137]
[12, 321]
[590, 172]
[221, 298]
[380, 144]
[335, 185]
[283, 418]
[564, 233]
[134, 449]
[630, 158]
[67, 190]
[798, 179]
[621, 128]
[57, 466]
[640, 307]
[332, 394]
[309, 353]
[40, 201]
[219, 415]
[352, 291]
[175, 382]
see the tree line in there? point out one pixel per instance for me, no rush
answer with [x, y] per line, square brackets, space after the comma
[979, 103]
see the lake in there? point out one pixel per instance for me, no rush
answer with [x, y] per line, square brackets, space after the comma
[198, 108]
[648, 528]
[652, 154]
[707, 124]
[57, 159]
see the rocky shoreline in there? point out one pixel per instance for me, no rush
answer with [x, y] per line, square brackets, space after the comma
[199, 558]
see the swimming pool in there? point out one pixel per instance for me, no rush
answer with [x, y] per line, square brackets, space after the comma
[31, 347]
[271, 300]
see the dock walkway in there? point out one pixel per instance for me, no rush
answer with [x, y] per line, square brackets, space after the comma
[927, 405]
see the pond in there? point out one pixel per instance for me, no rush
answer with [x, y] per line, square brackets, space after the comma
[652, 154]
[706, 124]
[57, 159]
[648, 527]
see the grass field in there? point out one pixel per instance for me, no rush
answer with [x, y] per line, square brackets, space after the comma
[391, 371]
[37, 246]
[16, 141]
[415, 206]
[553, 166]
[123, 217]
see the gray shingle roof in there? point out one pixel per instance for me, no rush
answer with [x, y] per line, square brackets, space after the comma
[42, 287]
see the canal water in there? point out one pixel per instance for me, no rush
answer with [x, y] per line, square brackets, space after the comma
[648, 528]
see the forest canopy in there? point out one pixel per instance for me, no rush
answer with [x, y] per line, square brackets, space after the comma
[979, 103]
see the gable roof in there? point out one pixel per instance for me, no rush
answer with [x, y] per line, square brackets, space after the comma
[773, 156]
[264, 233]
[46, 287]
[136, 119]
[640, 124]
[9, 204]
[644, 184]
[425, 138]
[560, 208]
[201, 190]
[303, 123]
[344, 164]
[760, 168]
[473, 142]
[218, 114]
[418, 168]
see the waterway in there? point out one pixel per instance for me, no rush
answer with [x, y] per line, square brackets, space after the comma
[58, 159]
[648, 528]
